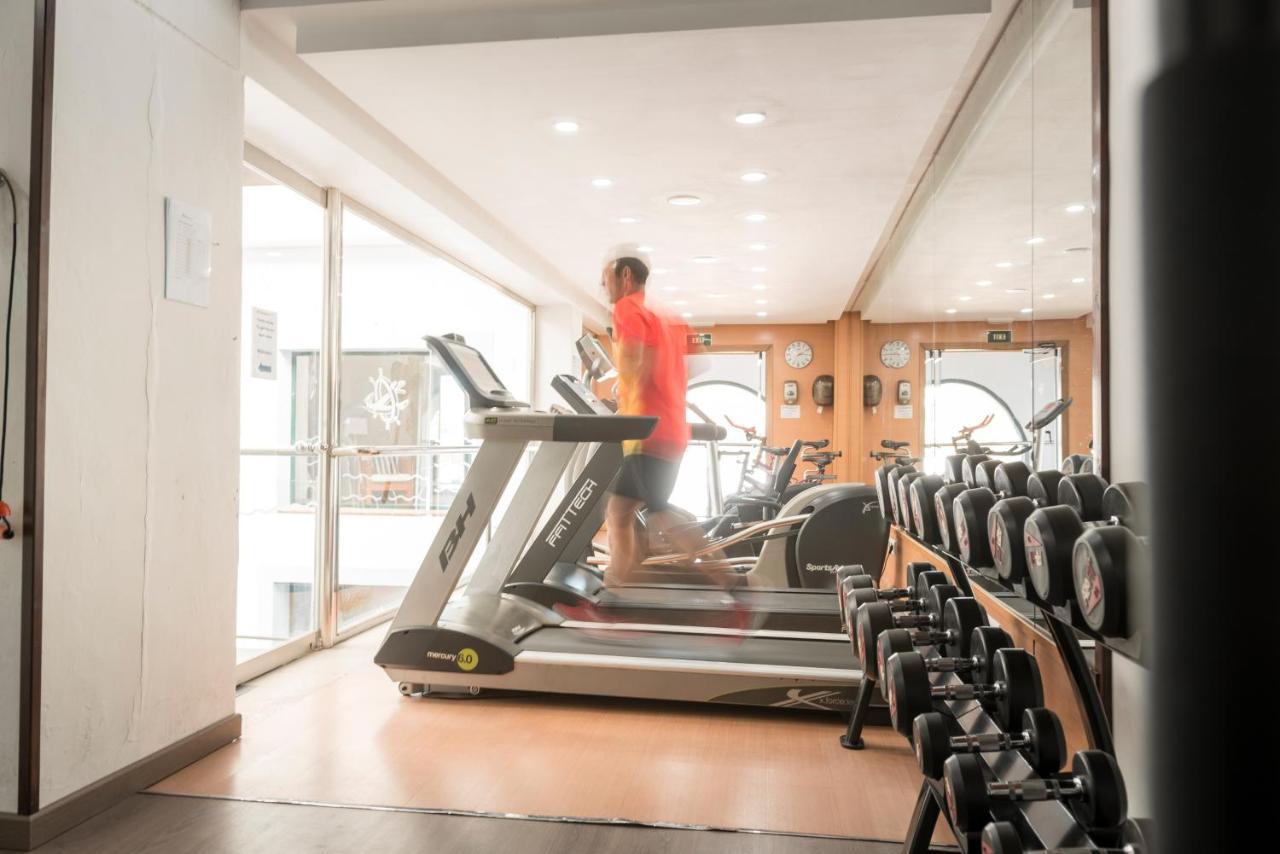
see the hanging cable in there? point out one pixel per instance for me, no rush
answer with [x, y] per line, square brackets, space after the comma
[5, 510]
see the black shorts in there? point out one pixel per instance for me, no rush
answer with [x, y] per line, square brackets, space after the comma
[647, 479]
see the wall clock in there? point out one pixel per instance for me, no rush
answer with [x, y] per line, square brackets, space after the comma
[895, 354]
[798, 354]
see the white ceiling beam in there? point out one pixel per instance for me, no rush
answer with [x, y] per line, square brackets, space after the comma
[326, 26]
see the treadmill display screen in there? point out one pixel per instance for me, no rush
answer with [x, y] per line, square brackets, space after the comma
[477, 370]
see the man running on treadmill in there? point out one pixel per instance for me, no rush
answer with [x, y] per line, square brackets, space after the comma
[649, 354]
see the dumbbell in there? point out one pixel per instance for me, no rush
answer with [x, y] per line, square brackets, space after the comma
[1002, 837]
[853, 577]
[969, 468]
[969, 513]
[1041, 741]
[923, 521]
[975, 651]
[870, 619]
[943, 500]
[904, 498]
[1077, 464]
[1093, 790]
[1100, 563]
[1049, 534]
[891, 487]
[1008, 515]
[953, 468]
[1014, 687]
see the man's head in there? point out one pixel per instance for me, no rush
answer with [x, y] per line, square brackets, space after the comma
[623, 277]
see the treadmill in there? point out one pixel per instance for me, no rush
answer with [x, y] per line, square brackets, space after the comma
[487, 639]
[552, 572]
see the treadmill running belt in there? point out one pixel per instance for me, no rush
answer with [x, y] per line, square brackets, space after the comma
[780, 652]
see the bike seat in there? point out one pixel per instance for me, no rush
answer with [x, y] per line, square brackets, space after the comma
[817, 444]
[892, 445]
[776, 452]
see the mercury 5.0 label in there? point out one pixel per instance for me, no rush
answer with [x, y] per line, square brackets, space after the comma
[455, 536]
[571, 513]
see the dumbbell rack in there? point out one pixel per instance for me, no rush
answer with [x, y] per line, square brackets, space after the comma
[1051, 822]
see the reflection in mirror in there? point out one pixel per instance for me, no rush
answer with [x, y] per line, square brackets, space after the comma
[981, 299]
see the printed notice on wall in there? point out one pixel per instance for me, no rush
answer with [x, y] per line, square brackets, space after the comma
[903, 412]
[789, 412]
[263, 345]
[188, 253]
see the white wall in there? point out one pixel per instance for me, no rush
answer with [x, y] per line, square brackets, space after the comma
[140, 562]
[1133, 58]
[16, 23]
[555, 329]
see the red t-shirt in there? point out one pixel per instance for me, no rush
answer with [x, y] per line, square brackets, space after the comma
[664, 394]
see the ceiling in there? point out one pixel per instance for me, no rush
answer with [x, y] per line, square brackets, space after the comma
[849, 105]
[1027, 157]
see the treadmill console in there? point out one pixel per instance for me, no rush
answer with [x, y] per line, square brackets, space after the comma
[595, 359]
[472, 371]
[1048, 413]
[577, 395]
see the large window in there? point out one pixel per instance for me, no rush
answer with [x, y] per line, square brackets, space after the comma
[351, 432]
[283, 289]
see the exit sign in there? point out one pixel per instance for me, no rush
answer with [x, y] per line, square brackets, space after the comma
[1000, 336]
[698, 339]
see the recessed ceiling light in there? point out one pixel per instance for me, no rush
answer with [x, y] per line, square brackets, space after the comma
[684, 200]
[602, 182]
[658, 271]
[754, 177]
[670, 288]
[952, 310]
[1032, 241]
[274, 253]
[762, 314]
[1078, 280]
[756, 217]
[749, 118]
[1046, 296]
[1025, 310]
[762, 302]
[759, 269]
[686, 314]
[566, 126]
[964, 298]
[1004, 265]
[758, 247]
[705, 259]
[680, 302]
[758, 287]
[644, 247]
[717, 296]
[1075, 208]
[983, 283]
[628, 220]
[1015, 290]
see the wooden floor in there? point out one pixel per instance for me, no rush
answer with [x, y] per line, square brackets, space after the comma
[156, 824]
[332, 729]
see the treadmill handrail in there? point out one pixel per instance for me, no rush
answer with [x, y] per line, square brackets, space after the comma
[732, 539]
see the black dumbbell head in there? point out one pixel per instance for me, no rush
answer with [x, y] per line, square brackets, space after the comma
[1105, 804]
[943, 501]
[882, 489]
[1001, 837]
[909, 689]
[1100, 571]
[953, 468]
[929, 578]
[984, 474]
[923, 521]
[1011, 478]
[1127, 503]
[915, 568]
[1017, 670]
[904, 498]
[984, 642]
[890, 642]
[970, 511]
[868, 622]
[969, 469]
[1083, 494]
[1042, 487]
[960, 616]
[931, 734]
[891, 484]
[1046, 748]
[1048, 537]
[965, 784]
[1004, 536]
[936, 600]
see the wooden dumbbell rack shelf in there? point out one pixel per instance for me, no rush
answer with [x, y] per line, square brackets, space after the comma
[1070, 688]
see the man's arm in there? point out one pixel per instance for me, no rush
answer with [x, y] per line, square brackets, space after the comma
[635, 364]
